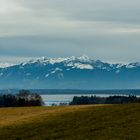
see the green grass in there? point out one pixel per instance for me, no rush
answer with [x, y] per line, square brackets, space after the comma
[107, 122]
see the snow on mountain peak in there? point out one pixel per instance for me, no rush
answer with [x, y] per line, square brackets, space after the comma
[81, 62]
[52, 61]
[84, 58]
[5, 65]
[133, 65]
[83, 66]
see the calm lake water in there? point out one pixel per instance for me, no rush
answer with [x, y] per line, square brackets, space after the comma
[56, 99]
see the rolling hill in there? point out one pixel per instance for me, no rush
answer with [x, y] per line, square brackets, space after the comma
[95, 122]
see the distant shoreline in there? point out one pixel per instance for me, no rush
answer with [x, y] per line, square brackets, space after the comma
[76, 91]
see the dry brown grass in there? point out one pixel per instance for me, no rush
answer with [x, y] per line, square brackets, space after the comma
[101, 122]
[10, 116]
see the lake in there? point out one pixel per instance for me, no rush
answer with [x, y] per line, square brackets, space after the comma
[57, 96]
[56, 99]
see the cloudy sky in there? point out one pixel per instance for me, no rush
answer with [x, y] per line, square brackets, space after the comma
[102, 29]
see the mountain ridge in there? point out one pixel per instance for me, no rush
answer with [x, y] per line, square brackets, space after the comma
[70, 72]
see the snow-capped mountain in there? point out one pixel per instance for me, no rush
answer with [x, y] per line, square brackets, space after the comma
[70, 73]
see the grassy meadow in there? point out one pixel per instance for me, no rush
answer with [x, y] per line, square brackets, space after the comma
[91, 122]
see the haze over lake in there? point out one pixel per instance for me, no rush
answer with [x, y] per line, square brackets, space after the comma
[56, 99]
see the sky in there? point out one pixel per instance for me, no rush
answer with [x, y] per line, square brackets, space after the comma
[108, 30]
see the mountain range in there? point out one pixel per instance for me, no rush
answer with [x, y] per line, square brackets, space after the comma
[69, 73]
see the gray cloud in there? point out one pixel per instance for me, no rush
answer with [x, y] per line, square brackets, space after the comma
[108, 30]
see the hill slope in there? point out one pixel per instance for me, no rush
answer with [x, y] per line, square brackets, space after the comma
[109, 122]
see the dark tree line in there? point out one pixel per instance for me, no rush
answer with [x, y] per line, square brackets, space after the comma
[23, 98]
[104, 100]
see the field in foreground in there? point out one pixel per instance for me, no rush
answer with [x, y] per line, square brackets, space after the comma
[101, 122]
